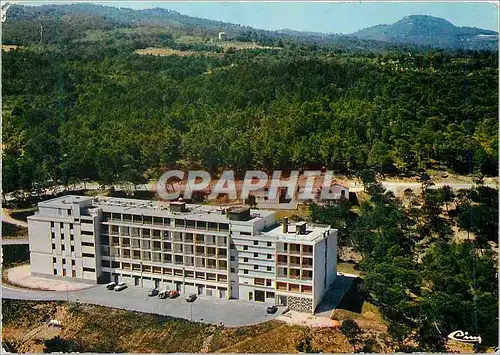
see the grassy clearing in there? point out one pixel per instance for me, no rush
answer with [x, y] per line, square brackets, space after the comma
[10, 47]
[370, 317]
[241, 45]
[164, 52]
[348, 268]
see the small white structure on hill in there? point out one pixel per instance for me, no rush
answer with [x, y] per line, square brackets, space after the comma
[222, 36]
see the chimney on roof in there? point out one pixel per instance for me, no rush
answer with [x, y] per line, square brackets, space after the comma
[300, 228]
[178, 206]
[285, 225]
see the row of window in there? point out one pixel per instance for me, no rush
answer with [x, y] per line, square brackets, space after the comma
[257, 243]
[72, 249]
[283, 286]
[262, 282]
[256, 255]
[201, 275]
[164, 221]
[256, 267]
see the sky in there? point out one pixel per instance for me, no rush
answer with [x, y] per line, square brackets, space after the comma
[324, 17]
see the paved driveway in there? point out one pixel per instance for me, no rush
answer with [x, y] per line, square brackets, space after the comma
[233, 313]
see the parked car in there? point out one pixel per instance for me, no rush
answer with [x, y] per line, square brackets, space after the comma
[163, 294]
[272, 309]
[120, 286]
[153, 292]
[191, 297]
[173, 294]
[111, 285]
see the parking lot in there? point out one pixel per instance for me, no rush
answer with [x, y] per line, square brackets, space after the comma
[232, 313]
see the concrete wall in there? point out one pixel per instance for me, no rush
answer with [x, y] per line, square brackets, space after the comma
[331, 259]
[319, 272]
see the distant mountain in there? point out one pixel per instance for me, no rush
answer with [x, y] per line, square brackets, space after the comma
[66, 23]
[430, 31]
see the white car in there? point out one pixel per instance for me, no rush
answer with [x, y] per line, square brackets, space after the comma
[120, 286]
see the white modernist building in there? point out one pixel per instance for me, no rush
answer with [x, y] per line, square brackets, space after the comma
[227, 253]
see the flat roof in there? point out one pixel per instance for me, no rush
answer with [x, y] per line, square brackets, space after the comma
[64, 201]
[156, 208]
[313, 233]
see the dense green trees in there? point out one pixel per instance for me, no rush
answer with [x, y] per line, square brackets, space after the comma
[427, 280]
[82, 117]
[82, 105]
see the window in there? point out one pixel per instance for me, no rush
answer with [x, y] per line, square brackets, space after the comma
[88, 269]
[53, 246]
[71, 225]
[233, 269]
[233, 246]
[63, 248]
[92, 233]
[232, 257]
[73, 262]
[55, 271]
[269, 268]
[54, 260]
[64, 261]
[87, 255]
[255, 242]
[69, 213]
[256, 267]
[72, 248]
[268, 282]
[245, 260]
[105, 263]
[269, 256]
[52, 224]
[87, 244]
[255, 255]
[245, 247]
[269, 244]
[245, 271]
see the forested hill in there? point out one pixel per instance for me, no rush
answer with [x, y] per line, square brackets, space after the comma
[60, 23]
[431, 31]
[82, 104]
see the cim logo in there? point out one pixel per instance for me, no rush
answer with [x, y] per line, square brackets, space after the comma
[464, 337]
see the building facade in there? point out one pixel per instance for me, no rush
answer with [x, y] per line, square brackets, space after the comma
[225, 253]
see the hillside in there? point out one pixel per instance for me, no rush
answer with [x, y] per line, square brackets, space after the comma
[431, 31]
[49, 24]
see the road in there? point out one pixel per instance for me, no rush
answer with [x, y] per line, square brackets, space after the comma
[14, 241]
[7, 218]
[397, 187]
[233, 313]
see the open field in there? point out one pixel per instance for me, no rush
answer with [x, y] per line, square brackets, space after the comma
[241, 45]
[164, 52]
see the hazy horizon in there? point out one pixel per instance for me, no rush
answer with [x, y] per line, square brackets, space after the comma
[331, 17]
